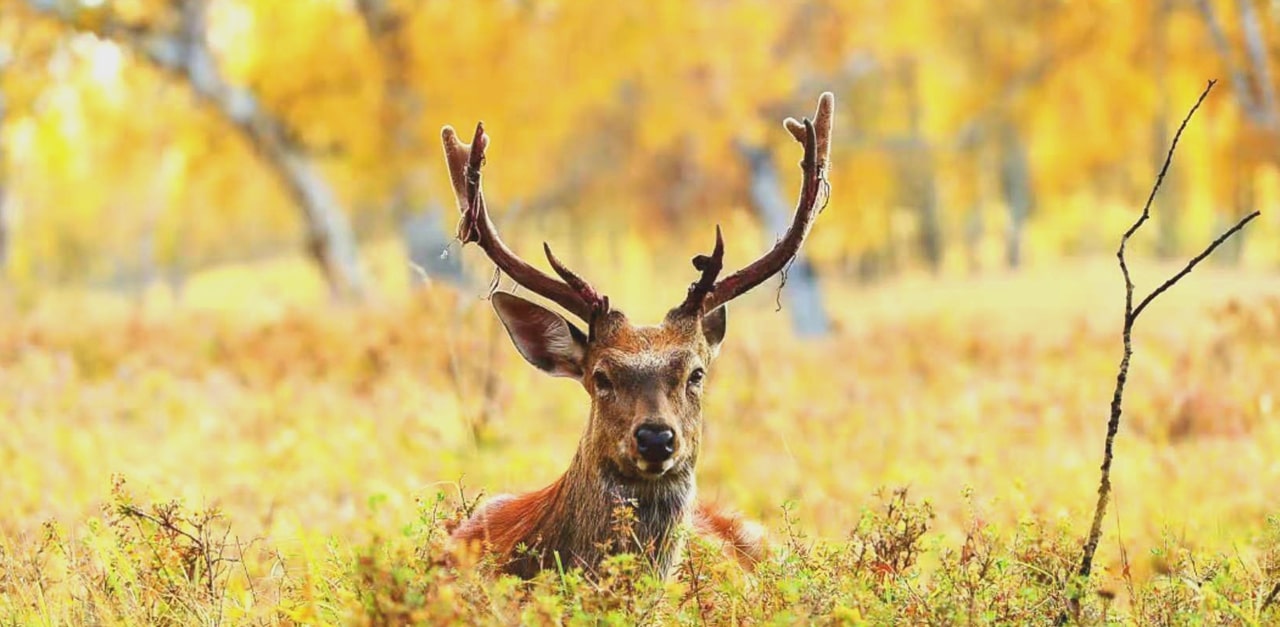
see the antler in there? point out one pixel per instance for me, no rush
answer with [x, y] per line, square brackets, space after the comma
[465, 161]
[706, 294]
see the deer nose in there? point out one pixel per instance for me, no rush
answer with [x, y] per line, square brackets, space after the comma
[655, 443]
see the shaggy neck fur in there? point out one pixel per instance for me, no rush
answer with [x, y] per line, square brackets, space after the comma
[587, 495]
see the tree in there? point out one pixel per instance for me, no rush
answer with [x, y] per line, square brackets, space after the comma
[4, 216]
[808, 313]
[386, 26]
[183, 51]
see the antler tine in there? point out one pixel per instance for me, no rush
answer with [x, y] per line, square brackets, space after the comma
[465, 162]
[599, 303]
[710, 266]
[816, 137]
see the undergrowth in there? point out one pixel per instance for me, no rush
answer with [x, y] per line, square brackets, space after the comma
[167, 564]
[273, 467]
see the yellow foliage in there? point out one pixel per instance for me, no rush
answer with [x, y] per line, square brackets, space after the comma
[601, 110]
[315, 429]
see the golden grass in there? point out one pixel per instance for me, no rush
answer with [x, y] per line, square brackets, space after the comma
[315, 429]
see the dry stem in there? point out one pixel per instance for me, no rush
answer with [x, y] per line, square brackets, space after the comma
[1131, 314]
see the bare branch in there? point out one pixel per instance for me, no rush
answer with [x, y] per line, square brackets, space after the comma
[1194, 261]
[1164, 169]
[1131, 314]
[1271, 598]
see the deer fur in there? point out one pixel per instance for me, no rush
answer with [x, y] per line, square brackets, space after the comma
[630, 486]
[648, 370]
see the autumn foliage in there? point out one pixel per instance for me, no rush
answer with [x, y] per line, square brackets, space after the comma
[241, 384]
[964, 123]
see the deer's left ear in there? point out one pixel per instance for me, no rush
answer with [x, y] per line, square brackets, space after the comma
[713, 326]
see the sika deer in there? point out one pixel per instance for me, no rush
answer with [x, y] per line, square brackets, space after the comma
[645, 382]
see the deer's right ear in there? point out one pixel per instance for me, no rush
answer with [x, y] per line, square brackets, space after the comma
[543, 337]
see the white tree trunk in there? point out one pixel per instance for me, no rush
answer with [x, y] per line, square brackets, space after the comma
[185, 53]
[803, 293]
[4, 214]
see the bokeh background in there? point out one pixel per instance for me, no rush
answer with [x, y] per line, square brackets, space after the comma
[227, 267]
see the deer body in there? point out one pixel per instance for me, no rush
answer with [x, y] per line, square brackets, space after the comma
[534, 520]
[537, 520]
[631, 484]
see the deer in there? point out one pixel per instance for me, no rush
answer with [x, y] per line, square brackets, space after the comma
[645, 383]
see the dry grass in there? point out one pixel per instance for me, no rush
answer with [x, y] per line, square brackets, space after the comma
[322, 438]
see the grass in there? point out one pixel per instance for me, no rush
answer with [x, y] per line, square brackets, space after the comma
[933, 462]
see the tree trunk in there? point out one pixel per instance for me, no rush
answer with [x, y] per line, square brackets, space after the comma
[428, 246]
[184, 52]
[922, 188]
[973, 228]
[4, 232]
[330, 240]
[1244, 198]
[4, 212]
[1170, 204]
[426, 243]
[1015, 186]
[804, 294]
[919, 173]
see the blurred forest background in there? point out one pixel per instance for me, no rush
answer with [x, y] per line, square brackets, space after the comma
[221, 275]
[144, 141]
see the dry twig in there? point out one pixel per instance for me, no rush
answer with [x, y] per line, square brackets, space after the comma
[1131, 313]
[1271, 598]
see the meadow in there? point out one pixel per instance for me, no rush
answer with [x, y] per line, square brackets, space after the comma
[935, 461]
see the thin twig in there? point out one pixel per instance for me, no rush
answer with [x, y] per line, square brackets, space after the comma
[1192, 264]
[1131, 314]
[1164, 169]
[1271, 598]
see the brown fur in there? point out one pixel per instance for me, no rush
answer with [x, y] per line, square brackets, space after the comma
[634, 375]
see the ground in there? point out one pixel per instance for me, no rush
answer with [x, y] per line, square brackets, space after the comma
[935, 460]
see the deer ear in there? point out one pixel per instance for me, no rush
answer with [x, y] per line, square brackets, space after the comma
[543, 337]
[713, 327]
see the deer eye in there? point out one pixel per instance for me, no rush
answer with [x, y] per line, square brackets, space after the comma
[696, 377]
[602, 383]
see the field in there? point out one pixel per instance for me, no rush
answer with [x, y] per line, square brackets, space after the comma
[936, 461]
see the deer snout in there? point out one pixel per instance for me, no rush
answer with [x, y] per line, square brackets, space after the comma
[655, 443]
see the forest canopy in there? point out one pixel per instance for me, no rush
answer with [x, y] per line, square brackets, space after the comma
[143, 139]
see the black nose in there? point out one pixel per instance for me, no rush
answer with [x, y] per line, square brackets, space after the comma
[655, 443]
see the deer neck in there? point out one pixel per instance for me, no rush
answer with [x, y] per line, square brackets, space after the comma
[584, 524]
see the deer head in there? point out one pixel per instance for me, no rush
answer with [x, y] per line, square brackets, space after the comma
[645, 382]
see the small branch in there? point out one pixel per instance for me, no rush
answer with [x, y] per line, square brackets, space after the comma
[1131, 314]
[1164, 169]
[1195, 261]
[1271, 598]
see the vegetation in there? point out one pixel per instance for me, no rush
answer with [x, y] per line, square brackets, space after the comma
[320, 455]
[240, 384]
[975, 135]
